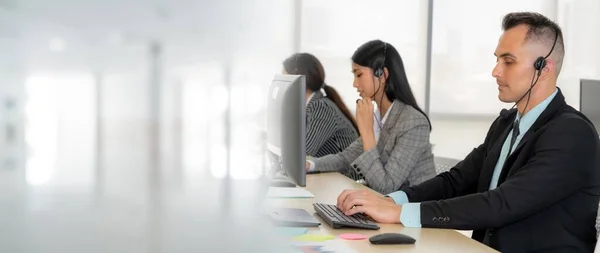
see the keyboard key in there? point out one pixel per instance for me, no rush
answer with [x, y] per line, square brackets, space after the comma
[336, 219]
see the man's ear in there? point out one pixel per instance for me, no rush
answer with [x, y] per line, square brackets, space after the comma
[547, 70]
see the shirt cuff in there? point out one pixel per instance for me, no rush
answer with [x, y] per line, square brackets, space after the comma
[312, 165]
[411, 215]
[399, 197]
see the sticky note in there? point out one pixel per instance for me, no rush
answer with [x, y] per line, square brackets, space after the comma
[291, 231]
[313, 238]
[314, 249]
[352, 237]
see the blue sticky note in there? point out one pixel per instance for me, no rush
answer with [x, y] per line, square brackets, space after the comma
[291, 231]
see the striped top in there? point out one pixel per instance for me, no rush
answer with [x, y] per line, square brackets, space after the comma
[328, 131]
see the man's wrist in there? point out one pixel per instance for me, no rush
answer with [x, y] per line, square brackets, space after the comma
[399, 214]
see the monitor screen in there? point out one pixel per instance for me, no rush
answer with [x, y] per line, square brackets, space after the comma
[286, 124]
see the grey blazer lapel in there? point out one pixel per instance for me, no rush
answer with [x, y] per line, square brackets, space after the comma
[395, 112]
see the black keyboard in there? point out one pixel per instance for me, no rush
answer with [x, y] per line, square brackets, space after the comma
[336, 219]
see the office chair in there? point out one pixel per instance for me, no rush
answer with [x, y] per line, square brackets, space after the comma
[443, 164]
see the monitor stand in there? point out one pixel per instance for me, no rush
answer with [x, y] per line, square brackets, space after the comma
[280, 182]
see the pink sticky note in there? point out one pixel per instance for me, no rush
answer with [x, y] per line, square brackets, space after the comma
[353, 237]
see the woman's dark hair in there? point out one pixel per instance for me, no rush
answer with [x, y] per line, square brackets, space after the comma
[308, 65]
[377, 54]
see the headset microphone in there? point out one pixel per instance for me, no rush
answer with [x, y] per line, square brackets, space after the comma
[504, 113]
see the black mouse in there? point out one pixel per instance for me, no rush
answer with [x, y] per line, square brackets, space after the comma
[391, 238]
[282, 183]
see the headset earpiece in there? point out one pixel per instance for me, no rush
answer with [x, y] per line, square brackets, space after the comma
[378, 73]
[540, 63]
[378, 68]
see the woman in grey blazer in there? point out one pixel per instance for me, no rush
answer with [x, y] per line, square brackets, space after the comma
[393, 151]
[330, 127]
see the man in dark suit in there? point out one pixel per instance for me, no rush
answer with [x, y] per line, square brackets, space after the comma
[533, 185]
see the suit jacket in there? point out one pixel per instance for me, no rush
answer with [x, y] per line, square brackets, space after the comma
[402, 156]
[328, 131]
[547, 194]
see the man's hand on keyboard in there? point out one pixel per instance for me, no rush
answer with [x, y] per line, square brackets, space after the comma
[380, 208]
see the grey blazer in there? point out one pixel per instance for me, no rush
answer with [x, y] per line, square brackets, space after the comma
[328, 131]
[402, 157]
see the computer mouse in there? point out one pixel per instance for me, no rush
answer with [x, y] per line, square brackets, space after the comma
[282, 183]
[391, 238]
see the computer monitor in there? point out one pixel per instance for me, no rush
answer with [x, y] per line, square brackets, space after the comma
[286, 123]
[589, 104]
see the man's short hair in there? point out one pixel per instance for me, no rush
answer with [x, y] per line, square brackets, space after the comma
[540, 28]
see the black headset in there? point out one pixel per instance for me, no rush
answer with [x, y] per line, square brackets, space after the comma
[538, 65]
[378, 70]
[378, 73]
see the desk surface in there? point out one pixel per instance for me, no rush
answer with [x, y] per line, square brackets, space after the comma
[327, 186]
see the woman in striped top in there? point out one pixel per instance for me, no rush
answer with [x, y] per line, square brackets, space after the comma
[394, 149]
[330, 127]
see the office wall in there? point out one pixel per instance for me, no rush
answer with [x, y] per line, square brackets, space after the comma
[465, 35]
[221, 55]
[11, 104]
[464, 42]
[223, 96]
[580, 22]
[333, 30]
[217, 60]
[139, 101]
[58, 135]
[463, 92]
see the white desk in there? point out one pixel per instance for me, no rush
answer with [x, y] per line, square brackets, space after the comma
[326, 188]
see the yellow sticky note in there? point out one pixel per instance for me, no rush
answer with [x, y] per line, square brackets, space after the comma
[313, 238]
